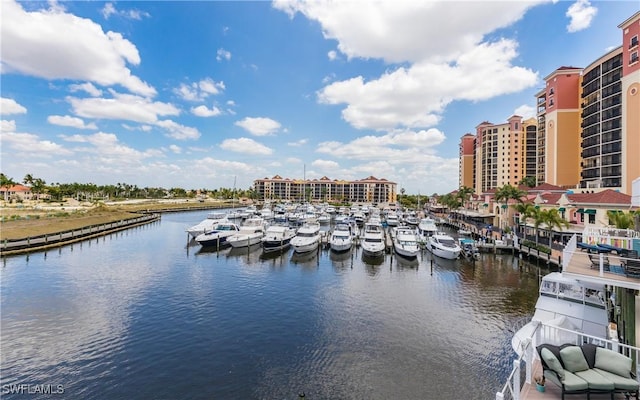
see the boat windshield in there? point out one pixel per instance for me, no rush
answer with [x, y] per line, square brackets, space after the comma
[306, 234]
[373, 240]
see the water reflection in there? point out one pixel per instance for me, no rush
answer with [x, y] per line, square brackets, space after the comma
[132, 312]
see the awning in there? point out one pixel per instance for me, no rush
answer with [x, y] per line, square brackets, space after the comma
[616, 211]
[580, 210]
[536, 207]
[561, 209]
[486, 204]
[590, 211]
[504, 206]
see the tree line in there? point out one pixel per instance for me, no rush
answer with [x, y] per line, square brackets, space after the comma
[92, 192]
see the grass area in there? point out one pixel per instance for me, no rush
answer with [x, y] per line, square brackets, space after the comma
[19, 223]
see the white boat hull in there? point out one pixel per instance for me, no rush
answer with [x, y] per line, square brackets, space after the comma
[245, 240]
[304, 246]
[341, 245]
[447, 254]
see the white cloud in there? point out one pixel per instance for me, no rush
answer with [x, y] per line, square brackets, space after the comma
[400, 147]
[246, 146]
[178, 131]
[407, 30]
[581, 14]
[259, 126]
[223, 54]
[325, 165]
[86, 87]
[451, 61]
[10, 106]
[525, 111]
[203, 111]
[109, 9]
[198, 91]
[122, 106]
[416, 96]
[70, 121]
[63, 46]
[7, 126]
[332, 54]
[31, 144]
[298, 143]
[175, 149]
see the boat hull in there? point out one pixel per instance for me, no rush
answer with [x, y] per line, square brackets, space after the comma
[446, 254]
[304, 247]
[244, 240]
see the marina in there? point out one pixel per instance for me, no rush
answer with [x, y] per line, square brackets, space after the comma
[241, 322]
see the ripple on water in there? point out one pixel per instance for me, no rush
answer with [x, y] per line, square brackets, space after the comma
[142, 315]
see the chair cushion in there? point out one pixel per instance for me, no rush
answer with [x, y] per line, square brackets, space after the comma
[595, 380]
[552, 362]
[620, 383]
[573, 382]
[573, 359]
[613, 362]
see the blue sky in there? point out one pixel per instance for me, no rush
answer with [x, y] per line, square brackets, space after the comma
[195, 94]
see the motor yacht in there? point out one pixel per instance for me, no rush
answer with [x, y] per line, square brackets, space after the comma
[444, 246]
[307, 238]
[277, 238]
[219, 235]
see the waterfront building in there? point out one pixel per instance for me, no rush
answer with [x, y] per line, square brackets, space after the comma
[500, 153]
[587, 136]
[367, 190]
[559, 128]
[466, 176]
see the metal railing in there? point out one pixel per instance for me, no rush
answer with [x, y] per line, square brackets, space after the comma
[545, 333]
[59, 238]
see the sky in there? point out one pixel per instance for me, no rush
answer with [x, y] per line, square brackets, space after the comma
[199, 95]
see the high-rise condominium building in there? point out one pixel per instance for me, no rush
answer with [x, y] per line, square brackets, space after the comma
[588, 128]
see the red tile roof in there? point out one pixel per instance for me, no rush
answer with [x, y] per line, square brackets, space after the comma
[605, 197]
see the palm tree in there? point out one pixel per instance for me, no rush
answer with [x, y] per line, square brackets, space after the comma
[621, 220]
[6, 183]
[529, 181]
[508, 192]
[553, 219]
[464, 193]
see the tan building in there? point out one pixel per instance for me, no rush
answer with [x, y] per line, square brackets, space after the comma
[367, 190]
[559, 128]
[500, 153]
[630, 93]
[586, 136]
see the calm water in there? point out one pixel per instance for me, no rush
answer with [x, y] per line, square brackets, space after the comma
[141, 314]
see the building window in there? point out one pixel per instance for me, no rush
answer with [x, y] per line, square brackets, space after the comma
[634, 42]
[634, 57]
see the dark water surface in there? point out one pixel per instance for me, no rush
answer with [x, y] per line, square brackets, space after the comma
[142, 315]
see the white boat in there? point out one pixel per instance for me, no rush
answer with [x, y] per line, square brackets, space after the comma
[277, 238]
[341, 238]
[566, 303]
[426, 227]
[219, 235]
[235, 215]
[411, 220]
[405, 242]
[324, 218]
[267, 214]
[468, 249]
[464, 232]
[392, 219]
[444, 246]
[206, 224]
[373, 243]
[251, 232]
[307, 238]
[330, 209]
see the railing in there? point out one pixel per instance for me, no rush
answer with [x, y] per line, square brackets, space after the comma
[59, 238]
[545, 333]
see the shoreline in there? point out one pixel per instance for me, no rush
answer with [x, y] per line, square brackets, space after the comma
[22, 223]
